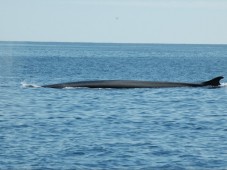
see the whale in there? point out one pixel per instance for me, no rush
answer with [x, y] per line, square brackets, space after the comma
[215, 82]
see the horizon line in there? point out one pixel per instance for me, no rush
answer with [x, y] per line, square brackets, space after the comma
[98, 42]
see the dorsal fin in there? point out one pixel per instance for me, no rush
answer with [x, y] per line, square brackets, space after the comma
[213, 82]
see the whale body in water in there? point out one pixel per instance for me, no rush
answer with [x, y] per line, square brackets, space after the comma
[215, 82]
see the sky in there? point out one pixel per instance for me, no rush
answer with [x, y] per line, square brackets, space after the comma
[115, 21]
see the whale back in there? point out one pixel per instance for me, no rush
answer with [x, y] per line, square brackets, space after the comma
[215, 82]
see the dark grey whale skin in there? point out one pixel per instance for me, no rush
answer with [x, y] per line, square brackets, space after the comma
[215, 82]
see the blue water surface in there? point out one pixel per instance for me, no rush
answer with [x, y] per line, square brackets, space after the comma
[170, 128]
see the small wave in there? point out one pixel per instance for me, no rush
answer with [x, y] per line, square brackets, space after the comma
[26, 85]
[223, 84]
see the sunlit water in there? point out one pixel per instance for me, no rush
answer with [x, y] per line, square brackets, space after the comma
[170, 128]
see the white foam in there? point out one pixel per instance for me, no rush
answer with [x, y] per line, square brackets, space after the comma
[26, 85]
[69, 87]
[223, 84]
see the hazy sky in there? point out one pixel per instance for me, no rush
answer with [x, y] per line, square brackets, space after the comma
[133, 21]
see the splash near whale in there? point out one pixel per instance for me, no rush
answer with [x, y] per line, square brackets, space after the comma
[215, 82]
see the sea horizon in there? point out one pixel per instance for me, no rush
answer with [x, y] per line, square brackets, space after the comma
[93, 42]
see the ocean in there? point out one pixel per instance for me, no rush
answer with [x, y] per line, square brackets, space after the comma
[81, 128]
